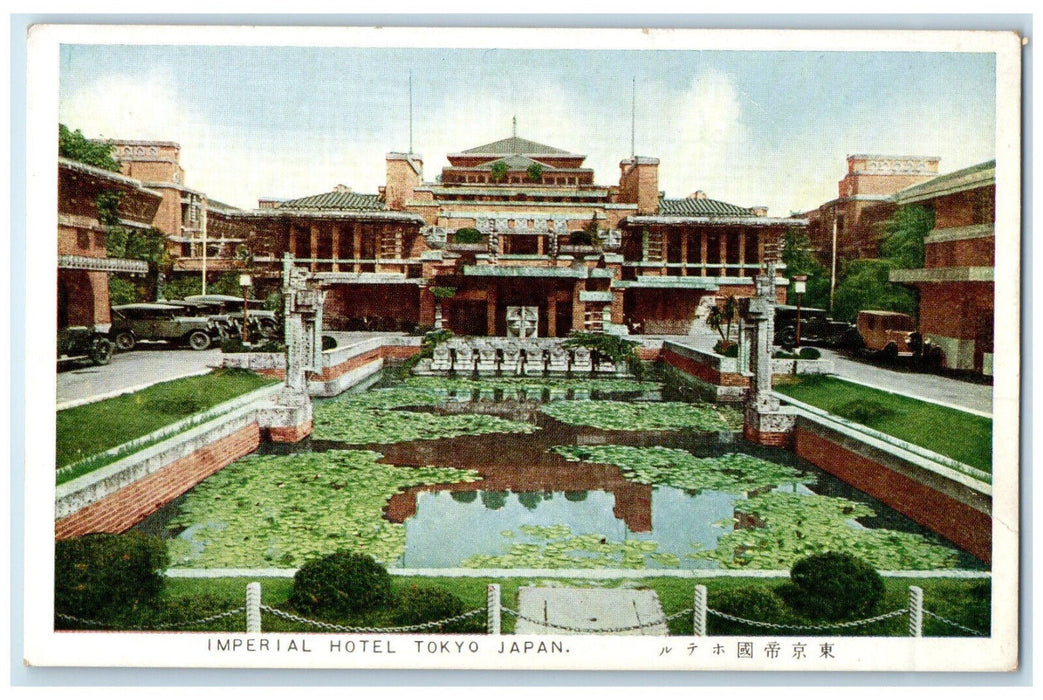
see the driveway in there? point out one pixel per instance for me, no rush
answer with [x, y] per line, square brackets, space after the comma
[959, 393]
[130, 371]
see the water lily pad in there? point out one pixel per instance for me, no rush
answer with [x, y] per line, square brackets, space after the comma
[622, 415]
[798, 525]
[309, 519]
[731, 473]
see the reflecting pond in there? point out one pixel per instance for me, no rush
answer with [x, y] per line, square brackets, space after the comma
[435, 473]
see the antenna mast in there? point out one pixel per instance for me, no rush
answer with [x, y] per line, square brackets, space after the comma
[633, 114]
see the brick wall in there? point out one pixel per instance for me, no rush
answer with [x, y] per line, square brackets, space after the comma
[702, 371]
[132, 504]
[959, 522]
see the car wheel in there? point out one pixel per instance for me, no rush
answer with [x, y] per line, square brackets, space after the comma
[125, 341]
[788, 336]
[198, 340]
[890, 353]
[101, 351]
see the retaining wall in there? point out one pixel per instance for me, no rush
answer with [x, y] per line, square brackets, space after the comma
[952, 502]
[718, 377]
[120, 495]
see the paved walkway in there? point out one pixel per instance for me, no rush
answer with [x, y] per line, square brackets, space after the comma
[590, 611]
[131, 371]
[949, 391]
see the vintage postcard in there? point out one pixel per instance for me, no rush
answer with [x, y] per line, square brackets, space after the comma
[386, 348]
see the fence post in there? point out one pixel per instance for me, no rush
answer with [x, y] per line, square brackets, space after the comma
[699, 616]
[253, 607]
[915, 611]
[492, 619]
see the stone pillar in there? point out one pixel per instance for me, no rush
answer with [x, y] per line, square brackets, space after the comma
[703, 250]
[684, 253]
[490, 310]
[356, 244]
[335, 245]
[765, 422]
[427, 307]
[742, 253]
[313, 250]
[578, 308]
[287, 417]
[552, 314]
[723, 248]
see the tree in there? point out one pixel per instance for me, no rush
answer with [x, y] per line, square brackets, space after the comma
[800, 260]
[865, 285]
[75, 146]
[499, 171]
[535, 172]
[904, 234]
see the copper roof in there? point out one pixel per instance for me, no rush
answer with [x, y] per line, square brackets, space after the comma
[700, 207]
[513, 145]
[335, 200]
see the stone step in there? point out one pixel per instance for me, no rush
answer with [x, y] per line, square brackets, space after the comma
[619, 611]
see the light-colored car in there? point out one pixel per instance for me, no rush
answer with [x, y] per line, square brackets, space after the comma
[132, 323]
[890, 335]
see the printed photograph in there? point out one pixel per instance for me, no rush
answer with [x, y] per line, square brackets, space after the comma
[526, 348]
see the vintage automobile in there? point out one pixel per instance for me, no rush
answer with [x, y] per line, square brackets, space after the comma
[84, 344]
[890, 335]
[261, 321]
[172, 323]
[816, 328]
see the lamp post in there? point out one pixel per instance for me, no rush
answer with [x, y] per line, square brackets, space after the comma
[245, 282]
[799, 287]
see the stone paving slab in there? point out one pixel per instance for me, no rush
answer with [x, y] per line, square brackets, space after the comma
[593, 610]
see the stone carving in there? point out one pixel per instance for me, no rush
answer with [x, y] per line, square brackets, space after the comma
[559, 360]
[486, 359]
[522, 321]
[581, 363]
[511, 363]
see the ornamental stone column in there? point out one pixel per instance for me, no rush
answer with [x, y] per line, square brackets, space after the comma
[765, 421]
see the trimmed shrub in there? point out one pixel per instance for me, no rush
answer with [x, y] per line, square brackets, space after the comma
[810, 353]
[727, 348]
[834, 586]
[467, 236]
[417, 605]
[101, 574]
[758, 603]
[341, 583]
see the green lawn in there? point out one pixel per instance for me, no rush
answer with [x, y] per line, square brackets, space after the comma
[964, 601]
[92, 428]
[962, 436]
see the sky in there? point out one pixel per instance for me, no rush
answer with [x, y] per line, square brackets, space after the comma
[750, 128]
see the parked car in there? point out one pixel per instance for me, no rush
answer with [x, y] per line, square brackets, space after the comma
[132, 323]
[85, 344]
[891, 335]
[261, 320]
[816, 328]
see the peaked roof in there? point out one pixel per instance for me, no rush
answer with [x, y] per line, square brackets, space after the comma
[514, 145]
[514, 163]
[700, 207]
[336, 200]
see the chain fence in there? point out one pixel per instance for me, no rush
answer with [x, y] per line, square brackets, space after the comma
[808, 628]
[698, 613]
[957, 625]
[154, 628]
[331, 627]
